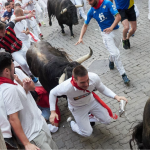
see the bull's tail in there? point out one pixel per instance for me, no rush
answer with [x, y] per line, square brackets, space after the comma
[137, 136]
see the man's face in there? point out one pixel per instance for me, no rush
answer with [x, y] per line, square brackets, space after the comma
[93, 3]
[8, 8]
[83, 82]
[12, 5]
[2, 33]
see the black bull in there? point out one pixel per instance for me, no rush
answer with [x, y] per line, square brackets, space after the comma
[49, 64]
[141, 132]
[65, 12]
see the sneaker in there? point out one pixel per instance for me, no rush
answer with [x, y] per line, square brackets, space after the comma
[39, 24]
[43, 23]
[125, 79]
[111, 65]
[124, 43]
[41, 35]
[34, 79]
[92, 123]
[69, 120]
[128, 43]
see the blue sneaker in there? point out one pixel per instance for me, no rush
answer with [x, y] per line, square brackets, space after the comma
[125, 79]
[111, 65]
[34, 79]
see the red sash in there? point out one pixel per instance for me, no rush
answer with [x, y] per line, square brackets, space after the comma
[33, 37]
[97, 98]
[6, 80]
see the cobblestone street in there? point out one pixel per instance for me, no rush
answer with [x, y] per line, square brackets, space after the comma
[136, 62]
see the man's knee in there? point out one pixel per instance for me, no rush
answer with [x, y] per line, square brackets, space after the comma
[87, 133]
[107, 122]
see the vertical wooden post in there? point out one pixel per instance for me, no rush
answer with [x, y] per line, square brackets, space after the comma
[2, 142]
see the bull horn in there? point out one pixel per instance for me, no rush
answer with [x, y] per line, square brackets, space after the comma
[62, 78]
[77, 6]
[84, 58]
[63, 11]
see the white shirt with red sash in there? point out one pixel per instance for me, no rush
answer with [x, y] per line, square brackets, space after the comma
[78, 97]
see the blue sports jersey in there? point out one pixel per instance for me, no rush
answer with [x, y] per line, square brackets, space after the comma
[104, 15]
[124, 4]
[8, 14]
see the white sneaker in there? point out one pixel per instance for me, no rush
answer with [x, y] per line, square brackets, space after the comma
[69, 120]
[52, 128]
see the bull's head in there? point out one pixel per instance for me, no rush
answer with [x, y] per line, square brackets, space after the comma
[73, 65]
[71, 13]
[65, 9]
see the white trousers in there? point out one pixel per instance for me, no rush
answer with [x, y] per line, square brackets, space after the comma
[33, 24]
[149, 5]
[82, 125]
[20, 58]
[112, 42]
[81, 9]
[43, 5]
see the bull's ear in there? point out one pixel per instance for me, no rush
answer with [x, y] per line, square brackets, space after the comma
[77, 6]
[63, 11]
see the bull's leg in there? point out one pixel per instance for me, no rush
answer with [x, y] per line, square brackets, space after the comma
[62, 28]
[70, 27]
[50, 21]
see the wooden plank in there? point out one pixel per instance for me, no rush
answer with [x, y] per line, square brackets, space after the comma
[2, 143]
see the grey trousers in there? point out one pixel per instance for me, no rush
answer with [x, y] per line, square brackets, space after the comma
[44, 140]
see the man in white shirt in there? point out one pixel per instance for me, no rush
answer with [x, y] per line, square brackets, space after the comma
[82, 100]
[21, 109]
[21, 29]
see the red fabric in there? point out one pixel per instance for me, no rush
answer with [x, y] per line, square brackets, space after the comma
[44, 100]
[6, 80]
[33, 37]
[97, 98]
[99, 4]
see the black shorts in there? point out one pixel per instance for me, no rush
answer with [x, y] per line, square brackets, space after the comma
[128, 14]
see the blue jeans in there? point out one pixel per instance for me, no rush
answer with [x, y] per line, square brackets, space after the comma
[45, 112]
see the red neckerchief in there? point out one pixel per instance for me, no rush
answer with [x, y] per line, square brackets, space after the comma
[97, 98]
[99, 4]
[6, 80]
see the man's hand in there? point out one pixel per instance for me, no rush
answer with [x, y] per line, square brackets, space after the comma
[30, 146]
[52, 118]
[18, 80]
[118, 98]
[108, 30]
[30, 15]
[79, 41]
[27, 84]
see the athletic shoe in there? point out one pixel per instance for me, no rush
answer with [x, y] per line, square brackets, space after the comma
[39, 24]
[43, 23]
[125, 79]
[41, 35]
[34, 79]
[111, 65]
[69, 120]
[124, 44]
[128, 43]
[92, 123]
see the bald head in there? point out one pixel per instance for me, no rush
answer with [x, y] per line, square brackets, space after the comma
[18, 12]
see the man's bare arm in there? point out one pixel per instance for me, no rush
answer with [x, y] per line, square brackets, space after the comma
[16, 125]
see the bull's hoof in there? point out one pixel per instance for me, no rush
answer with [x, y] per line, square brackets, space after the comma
[63, 34]
[50, 23]
[72, 36]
